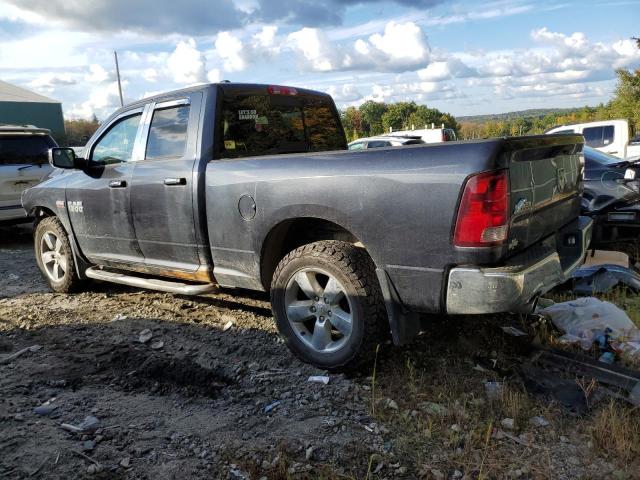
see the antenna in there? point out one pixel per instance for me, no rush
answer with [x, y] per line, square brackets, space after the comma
[115, 55]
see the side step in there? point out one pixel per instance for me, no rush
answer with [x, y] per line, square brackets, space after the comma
[150, 283]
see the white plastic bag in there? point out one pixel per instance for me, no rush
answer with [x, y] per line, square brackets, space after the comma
[585, 318]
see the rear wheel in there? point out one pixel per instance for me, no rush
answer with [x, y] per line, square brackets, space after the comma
[328, 305]
[54, 255]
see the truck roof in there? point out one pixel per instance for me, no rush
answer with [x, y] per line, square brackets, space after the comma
[6, 129]
[224, 85]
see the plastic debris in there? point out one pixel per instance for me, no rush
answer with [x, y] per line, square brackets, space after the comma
[89, 424]
[271, 406]
[319, 379]
[493, 391]
[538, 421]
[586, 320]
[227, 326]
[513, 331]
[604, 278]
[157, 345]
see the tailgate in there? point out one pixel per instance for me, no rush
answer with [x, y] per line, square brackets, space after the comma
[545, 174]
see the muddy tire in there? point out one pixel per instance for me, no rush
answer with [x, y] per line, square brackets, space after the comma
[54, 256]
[328, 305]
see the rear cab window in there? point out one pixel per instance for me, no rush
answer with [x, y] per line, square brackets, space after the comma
[27, 149]
[257, 121]
[168, 133]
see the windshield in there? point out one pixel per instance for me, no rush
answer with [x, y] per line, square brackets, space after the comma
[266, 124]
[600, 157]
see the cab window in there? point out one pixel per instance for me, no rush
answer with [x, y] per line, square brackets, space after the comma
[378, 144]
[168, 133]
[116, 146]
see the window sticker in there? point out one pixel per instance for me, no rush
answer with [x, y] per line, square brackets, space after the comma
[230, 144]
[247, 114]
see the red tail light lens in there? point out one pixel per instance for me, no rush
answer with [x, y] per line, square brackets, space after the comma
[278, 90]
[483, 216]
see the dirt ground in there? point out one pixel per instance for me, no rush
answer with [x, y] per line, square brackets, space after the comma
[215, 394]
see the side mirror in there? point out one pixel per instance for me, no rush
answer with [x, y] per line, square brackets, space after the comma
[63, 157]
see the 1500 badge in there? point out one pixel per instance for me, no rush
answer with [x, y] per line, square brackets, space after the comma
[75, 207]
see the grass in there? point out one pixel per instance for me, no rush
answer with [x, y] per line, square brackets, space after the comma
[616, 432]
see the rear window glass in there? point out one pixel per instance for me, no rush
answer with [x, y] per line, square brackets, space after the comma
[254, 125]
[25, 149]
[378, 144]
[168, 133]
[598, 136]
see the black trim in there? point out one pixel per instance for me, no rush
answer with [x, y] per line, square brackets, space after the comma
[11, 207]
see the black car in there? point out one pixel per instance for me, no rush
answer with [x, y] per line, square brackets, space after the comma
[612, 198]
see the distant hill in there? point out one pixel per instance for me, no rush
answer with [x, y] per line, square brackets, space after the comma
[532, 112]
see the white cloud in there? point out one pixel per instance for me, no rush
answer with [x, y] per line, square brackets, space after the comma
[266, 40]
[401, 47]
[186, 64]
[49, 81]
[214, 75]
[347, 93]
[150, 75]
[98, 74]
[231, 50]
[102, 101]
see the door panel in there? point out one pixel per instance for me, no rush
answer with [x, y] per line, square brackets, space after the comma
[99, 201]
[163, 187]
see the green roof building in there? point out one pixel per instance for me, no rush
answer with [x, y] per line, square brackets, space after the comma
[19, 106]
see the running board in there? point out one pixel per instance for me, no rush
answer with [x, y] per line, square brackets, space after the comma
[150, 283]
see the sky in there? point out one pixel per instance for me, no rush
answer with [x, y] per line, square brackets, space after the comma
[462, 57]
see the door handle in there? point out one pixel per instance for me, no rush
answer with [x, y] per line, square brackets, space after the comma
[175, 181]
[117, 184]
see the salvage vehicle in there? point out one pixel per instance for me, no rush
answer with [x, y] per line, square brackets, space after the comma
[252, 187]
[608, 136]
[612, 199]
[427, 135]
[23, 164]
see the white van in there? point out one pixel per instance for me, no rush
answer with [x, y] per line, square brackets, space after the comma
[608, 136]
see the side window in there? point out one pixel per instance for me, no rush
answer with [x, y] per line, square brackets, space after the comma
[597, 137]
[357, 146]
[378, 144]
[168, 133]
[116, 146]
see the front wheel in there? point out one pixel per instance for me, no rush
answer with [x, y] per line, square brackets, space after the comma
[328, 304]
[54, 255]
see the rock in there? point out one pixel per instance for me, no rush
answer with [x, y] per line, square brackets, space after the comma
[18, 417]
[508, 423]
[271, 406]
[145, 336]
[457, 474]
[309, 453]
[319, 379]
[91, 469]
[456, 428]
[493, 390]
[45, 409]
[125, 462]
[433, 408]
[437, 474]
[390, 404]
[89, 445]
[157, 345]
[538, 421]
[401, 470]
[119, 317]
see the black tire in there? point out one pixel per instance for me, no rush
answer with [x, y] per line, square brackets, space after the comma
[68, 280]
[355, 271]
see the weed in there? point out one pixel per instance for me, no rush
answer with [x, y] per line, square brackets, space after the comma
[616, 432]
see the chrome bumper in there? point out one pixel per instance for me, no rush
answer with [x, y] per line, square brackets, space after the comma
[514, 288]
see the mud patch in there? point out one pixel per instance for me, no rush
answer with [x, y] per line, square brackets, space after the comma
[135, 370]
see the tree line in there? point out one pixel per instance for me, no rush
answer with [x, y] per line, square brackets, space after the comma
[375, 118]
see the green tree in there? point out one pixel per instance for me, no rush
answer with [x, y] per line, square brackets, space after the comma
[352, 123]
[397, 116]
[371, 115]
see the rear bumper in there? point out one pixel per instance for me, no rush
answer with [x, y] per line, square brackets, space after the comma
[515, 287]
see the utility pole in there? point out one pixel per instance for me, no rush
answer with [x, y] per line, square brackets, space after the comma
[115, 55]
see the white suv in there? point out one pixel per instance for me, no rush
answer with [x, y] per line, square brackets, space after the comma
[23, 164]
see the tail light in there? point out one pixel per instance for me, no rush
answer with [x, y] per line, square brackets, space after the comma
[278, 90]
[483, 216]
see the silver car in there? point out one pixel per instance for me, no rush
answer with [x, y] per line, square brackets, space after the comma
[23, 164]
[383, 141]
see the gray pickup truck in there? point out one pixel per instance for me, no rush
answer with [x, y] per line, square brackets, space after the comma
[252, 187]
